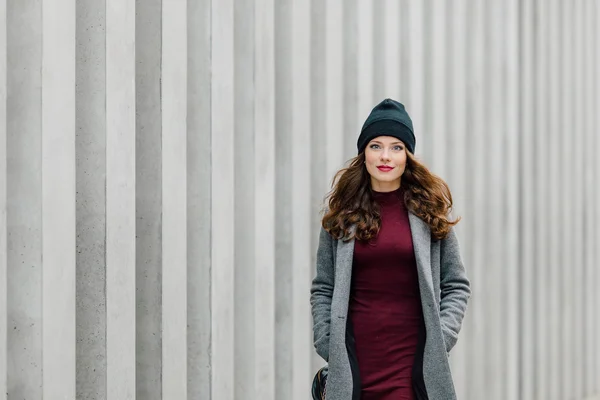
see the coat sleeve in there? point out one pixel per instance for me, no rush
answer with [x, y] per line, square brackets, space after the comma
[321, 294]
[455, 290]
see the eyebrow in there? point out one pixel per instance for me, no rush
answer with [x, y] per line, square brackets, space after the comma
[378, 142]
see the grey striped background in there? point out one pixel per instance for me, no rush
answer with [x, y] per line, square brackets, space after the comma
[163, 164]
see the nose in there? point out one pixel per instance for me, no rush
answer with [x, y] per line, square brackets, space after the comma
[385, 155]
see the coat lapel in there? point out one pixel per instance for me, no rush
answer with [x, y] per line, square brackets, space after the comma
[421, 236]
[341, 381]
[345, 254]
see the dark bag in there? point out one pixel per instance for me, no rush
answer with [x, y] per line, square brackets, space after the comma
[319, 382]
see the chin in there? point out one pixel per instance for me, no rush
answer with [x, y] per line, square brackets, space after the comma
[388, 178]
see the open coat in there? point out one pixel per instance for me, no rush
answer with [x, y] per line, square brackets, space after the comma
[445, 291]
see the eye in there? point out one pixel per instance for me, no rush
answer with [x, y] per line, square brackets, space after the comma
[374, 146]
[398, 148]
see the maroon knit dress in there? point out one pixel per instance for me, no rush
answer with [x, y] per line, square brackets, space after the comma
[385, 305]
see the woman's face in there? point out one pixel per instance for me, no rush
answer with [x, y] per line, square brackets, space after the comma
[385, 158]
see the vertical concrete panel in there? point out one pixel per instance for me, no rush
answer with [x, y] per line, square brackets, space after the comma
[91, 199]
[578, 190]
[458, 153]
[584, 52]
[527, 180]
[365, 67]
[244, 198]
[496, 186]
[58, 198]
[222, 190]
[148, 200]
[437, 135]
[198, 198]
[595, 348]
[264, 195]
[579, 251]
[352, 120]
[512, 142]
[3, 227]
[414, 65]
[301, 143]
[567, 204]
[402, 18]
[428, 116]
[485, 201]
[285, 338]
[379, 44]
[479, 366]
[24, 199]
[596, 216]
[120, 199]
[334, 83]
[561, 172]
[174, 199]
[390, 14]
[320, 184]
[592, 377]
[541, 187]
[589, 202]
[553, 139]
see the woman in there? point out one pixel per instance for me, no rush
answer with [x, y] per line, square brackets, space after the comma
[390, 292]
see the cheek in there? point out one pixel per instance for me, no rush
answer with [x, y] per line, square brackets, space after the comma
[370, 160]
[371, 169]
[370, 164]
[401, 160]
[401, 163]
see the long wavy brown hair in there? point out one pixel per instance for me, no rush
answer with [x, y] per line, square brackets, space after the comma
[351, 201]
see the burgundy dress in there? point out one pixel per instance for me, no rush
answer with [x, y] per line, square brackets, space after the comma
[385, 305]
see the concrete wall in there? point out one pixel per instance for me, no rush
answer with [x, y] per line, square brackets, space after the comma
[164, 162]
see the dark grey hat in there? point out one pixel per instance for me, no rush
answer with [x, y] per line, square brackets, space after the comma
[388, 118]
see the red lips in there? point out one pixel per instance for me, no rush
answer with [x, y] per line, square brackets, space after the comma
[385, 168]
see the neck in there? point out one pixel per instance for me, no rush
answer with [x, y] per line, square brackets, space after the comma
[379, 186]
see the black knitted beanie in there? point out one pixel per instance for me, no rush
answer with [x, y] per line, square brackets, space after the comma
[388, 118]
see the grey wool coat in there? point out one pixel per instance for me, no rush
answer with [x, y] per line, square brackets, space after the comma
[445, 291]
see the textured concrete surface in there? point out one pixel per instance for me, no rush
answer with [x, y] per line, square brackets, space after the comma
[148, 201]
[59, 250]
[284, 310]
[24, 207]
[91, 198]
[120, 199]
[199, 201]
[227, 199]
[3, 208]
[174, 197]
